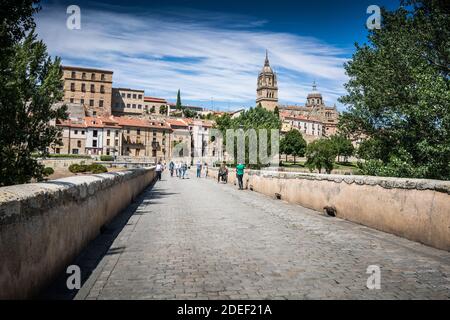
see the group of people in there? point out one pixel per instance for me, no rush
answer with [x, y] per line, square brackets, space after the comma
[181, 168]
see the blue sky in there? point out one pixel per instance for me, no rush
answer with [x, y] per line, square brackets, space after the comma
[212, 50]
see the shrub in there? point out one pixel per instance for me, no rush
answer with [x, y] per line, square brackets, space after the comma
[48, 171]
[97, 168]
[77, 168]
[106, 158]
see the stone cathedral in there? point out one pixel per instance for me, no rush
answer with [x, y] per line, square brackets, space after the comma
[267, 89]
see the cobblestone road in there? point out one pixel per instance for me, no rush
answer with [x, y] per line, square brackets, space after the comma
[195, 239]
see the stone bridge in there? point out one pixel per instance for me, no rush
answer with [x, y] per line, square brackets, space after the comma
[197, 239]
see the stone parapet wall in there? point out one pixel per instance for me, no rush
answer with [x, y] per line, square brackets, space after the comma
[64, 162]
[416, 209]
[44, 226]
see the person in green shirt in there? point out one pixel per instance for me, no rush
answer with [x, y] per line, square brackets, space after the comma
[240, 175]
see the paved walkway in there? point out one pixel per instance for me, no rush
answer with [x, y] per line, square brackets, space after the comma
[196, 239]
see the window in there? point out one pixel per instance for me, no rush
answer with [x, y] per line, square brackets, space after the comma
[93, 76]
[91, 103]
[123, 95]
[94, 113]
[154, 133]
[139, 106]
[75, 132]
[138, 131]
[103, 77]
[83, 87]
[108, 141]
[95, 133]
[74, 75]
[82, 132]
[79, 143]
[134, 96]
[71, 100]
[108, 133]
[92, 88]
[117, 133]
[74, 151]
[117, 142]
[57, 150]
[94, 143]
[72, 86]
[82, 101]
[100, 103]
[128, 130]
[154, 153]
[140, 96]
[134, 106]
[128, 105]
[102, 89]
[83, 76]
[129, 95]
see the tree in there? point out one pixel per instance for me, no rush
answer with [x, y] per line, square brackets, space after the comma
[30, 85]
[293, 144]
[188, 113]
[320, 154]
[152, 109]
[179, 106]
[399, 92]
[163, 109]
[276, 111]
[342, 146]
[254, 118]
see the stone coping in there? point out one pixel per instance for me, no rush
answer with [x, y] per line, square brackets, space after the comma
[22, 201]
[384, 182]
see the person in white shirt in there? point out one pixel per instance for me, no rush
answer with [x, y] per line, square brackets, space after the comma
[159, 169]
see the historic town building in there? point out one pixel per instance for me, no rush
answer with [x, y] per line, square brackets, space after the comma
[314, 110]
[90, 88]
[127, 101]
[267, 87]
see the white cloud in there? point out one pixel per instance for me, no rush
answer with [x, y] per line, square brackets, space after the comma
[204, 57]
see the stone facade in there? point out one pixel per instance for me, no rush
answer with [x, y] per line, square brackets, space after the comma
[91, 88]
[127, 101]
[267, 87]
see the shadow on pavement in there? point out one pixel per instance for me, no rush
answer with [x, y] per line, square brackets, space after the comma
[91, 256]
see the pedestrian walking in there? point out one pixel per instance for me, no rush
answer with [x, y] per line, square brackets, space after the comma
[206, 170]
[171, 168]
[199, 169]
[159, 169]
[240, 175]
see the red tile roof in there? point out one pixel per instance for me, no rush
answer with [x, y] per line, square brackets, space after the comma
[153, 99]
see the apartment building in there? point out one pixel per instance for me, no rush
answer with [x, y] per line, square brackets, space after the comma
[181, 140]
[127, 101]
[91, 88]
[156, 106]
[144, 138]
[73, 138]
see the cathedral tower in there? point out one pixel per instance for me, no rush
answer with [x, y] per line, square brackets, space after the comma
[267, 89]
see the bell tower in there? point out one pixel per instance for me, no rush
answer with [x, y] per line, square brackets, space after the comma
[267, 87]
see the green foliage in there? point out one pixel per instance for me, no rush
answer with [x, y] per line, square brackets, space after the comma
[321, 154]
[179, 106]
[342, 146]
[30, 84]
[60, 155]
[253, 118]
[293, 144]
[96, 168]
[399, 93]
[188, 113]
[162, 109]
[276, 111]
[152, 109]
[48, 171]
[92, 168]
[106, 158]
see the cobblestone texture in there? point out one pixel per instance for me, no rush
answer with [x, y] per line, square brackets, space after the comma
[196, 239]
